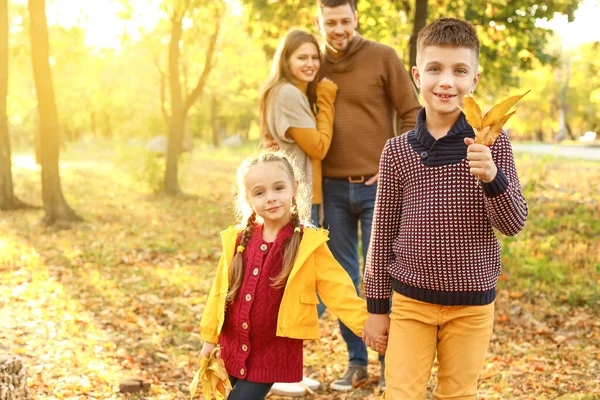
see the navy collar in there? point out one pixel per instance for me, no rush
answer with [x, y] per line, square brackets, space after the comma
[426, 138]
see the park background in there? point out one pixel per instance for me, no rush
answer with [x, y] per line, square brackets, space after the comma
[121, 126]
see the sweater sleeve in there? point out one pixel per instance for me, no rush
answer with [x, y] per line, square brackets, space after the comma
[402, 93]
[385, 230]
[290, 108]
[316, 142]
[504, 202]
[337, 291]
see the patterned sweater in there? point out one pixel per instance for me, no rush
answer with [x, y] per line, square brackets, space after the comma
[432, 237]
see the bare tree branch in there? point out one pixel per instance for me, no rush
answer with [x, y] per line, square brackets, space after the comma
[208, 64]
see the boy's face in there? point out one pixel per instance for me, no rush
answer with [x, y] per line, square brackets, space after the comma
[445, 75]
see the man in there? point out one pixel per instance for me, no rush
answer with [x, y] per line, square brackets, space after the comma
[374, 87]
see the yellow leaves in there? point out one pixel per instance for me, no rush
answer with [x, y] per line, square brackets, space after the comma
[213, 377]
[487, 128]
[472, 112]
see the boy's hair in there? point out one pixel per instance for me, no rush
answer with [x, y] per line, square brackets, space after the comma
[452, 32]
[336, 3]
[247, 216]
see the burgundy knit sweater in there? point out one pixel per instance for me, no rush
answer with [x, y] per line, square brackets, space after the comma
[432, 237]
[250, 347]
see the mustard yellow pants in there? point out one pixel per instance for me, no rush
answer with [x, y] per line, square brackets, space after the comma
[459, 334]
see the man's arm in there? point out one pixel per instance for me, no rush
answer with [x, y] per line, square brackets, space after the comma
[401, 92]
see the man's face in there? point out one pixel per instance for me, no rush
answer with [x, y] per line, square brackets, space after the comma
[337, 25]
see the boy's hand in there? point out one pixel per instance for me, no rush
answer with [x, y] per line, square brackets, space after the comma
[207, 349]
[480, 161]
[377, 325]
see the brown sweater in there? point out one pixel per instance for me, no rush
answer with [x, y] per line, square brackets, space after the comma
[373, 82]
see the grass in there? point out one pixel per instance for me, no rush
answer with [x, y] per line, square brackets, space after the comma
[122, 293]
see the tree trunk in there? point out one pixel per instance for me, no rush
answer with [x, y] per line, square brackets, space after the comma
[175, 138]
[179, 105]
[55, 205]
[570, 131]
[214, 120]
[8, 200]
[419, 23]
[93, 122]
[562, 122]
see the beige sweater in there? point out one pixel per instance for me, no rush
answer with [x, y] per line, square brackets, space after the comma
[373, 86]
[293, 125]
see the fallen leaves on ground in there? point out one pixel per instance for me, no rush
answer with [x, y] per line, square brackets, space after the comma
[121, 295]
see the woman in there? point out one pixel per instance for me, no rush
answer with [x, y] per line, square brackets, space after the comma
[287, 116]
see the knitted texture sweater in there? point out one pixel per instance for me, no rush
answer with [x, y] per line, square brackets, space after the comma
[432, 237]
[373, 86]
[249, 344]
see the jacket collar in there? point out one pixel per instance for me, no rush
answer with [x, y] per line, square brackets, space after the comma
[311, 239]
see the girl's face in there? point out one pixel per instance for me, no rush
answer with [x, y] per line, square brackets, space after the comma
[304, 63]
[270, 191]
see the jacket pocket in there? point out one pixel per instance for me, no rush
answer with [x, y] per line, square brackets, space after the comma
[309, 298]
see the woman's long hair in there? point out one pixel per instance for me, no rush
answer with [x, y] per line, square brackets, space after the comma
[300, 211]
[281, 73]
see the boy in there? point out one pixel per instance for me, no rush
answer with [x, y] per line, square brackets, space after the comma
[433, 241]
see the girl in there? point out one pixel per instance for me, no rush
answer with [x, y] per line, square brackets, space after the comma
[286, 114]
[263, 300]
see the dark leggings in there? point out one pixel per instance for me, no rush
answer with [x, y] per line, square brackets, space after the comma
[245, 390]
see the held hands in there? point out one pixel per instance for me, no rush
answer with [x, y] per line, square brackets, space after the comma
[207, 349]
[375, 334]
[480, 161]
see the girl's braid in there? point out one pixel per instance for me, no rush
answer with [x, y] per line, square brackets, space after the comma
[248, 229]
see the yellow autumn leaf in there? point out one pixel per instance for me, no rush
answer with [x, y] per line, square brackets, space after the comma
[500, 109]
[487, 128]
[472, 112]
[194, 384]
[213, 377]
[495, 128]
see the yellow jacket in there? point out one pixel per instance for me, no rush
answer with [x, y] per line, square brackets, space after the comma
[315, 270]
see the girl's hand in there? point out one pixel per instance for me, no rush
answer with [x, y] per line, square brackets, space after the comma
[207, 349]
[327, 80]
[480, 161]
[382, 342]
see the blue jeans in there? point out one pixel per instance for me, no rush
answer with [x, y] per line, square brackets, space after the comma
[314, 215]
[345, 205]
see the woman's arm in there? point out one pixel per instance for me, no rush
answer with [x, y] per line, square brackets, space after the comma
[315, 142]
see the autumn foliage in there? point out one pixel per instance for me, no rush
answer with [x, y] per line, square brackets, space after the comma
[487, 127]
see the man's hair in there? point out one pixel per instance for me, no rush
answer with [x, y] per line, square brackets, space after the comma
[451, 32]
[336, 3]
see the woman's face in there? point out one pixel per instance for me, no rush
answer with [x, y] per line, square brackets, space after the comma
[304, 63]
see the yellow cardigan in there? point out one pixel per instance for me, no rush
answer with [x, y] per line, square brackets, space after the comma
[315, 270]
